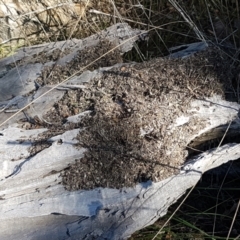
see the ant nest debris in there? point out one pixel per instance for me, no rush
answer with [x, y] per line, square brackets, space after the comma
[131, 134]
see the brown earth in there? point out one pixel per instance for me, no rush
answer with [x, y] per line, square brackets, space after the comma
[129, 134]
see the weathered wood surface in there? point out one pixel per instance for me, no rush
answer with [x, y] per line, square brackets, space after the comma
[20, 80]
[33, 205]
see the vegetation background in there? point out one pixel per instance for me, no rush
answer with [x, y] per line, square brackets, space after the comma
[211, 209]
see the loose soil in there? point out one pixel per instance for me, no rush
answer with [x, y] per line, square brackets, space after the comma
[129, 134]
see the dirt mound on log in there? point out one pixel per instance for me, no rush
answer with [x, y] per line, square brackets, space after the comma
[131, 134]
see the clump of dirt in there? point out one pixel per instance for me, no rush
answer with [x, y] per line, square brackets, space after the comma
[130, 135]
[86, 58]
[70, 103]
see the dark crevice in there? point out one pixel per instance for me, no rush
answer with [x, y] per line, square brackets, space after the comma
[221, 138]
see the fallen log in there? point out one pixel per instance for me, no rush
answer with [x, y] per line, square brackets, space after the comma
[105, 153]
